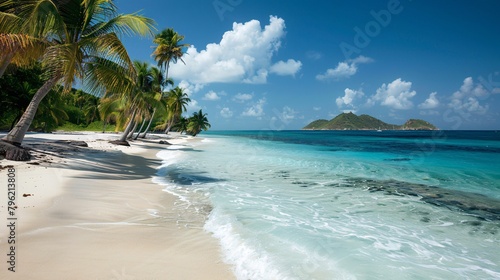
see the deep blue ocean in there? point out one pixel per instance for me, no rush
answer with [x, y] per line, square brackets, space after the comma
[344, 204]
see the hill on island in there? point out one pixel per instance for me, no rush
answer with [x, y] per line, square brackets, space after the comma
[350, 121]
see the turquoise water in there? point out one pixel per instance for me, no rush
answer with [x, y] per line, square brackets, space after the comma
[344, 204]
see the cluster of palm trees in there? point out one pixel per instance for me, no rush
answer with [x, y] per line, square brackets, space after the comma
[80, 40]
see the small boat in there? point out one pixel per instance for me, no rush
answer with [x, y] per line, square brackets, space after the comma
[379, 130]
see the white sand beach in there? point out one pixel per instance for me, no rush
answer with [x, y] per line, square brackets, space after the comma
[94, 213]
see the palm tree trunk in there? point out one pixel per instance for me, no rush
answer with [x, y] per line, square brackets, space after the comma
[169, 126]
[4, 63]
[129, 136]
[140, 129]
[123, 137]
[16, 135]
[166, 70]
[18, 117]
[171, 123]
[149, 124]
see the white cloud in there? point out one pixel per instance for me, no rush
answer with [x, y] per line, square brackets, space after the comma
[349, 97]
[259, 78]
[287, 114]
[242, 56]
[361, 59]
[193, 106]
[469, 88]
[226, 113]
[430, 103]
[396, 95]
[242, 97]
[256, 110]
[466, 100]
[291, 67]
[211, 96]
[316, 108]
[344, 69]
[189, 88]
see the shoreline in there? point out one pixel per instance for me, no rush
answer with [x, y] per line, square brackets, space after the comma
[94, 213]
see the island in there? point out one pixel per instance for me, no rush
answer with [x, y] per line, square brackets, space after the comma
[350, 121]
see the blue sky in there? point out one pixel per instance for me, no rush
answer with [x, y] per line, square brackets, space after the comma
[256, 64]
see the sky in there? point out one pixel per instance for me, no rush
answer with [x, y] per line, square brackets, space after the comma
[278, 65]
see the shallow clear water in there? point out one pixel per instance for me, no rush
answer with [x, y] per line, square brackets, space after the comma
[345, 205]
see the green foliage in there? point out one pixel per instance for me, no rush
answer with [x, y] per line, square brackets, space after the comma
[68, 126]
[181, 125]
[197, 123]
[317, 124]
[50, 114]
[80, 108]
[177, 101]
[82, 43]
[86, 106]
[16, 90]
[350, 121]
[75, 115]
[96, 126]
[169, 48]
[140, 102]
[416, 124]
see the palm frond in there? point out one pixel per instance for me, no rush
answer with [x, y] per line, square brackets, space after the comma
[110, 47]
[14, 42]
[42, 18]
[103, 75]
[9, 23]
[129, 24]
[63, 60]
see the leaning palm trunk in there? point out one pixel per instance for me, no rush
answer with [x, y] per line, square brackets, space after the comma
[169, 125]
[16, 135]
[140, 129]
[131, 133]
[143, 135]
[4, 63]
[123, 137]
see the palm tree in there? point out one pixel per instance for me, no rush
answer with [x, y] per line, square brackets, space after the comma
[159, 83]
[177, 101]
[83, 44]
[168, 49]
[90, 109]
[197, 123]
[139, 100]
[109, 108]
[181, 125]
